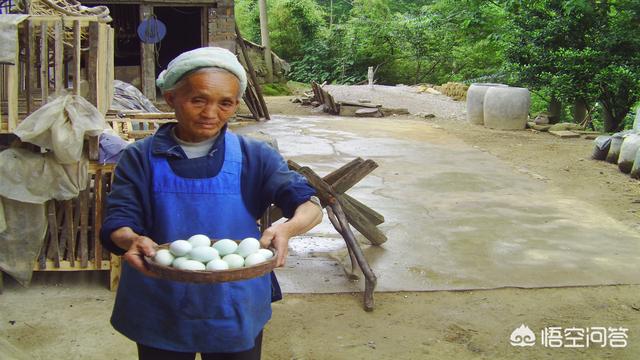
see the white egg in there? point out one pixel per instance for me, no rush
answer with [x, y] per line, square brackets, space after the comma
[163, 257]
[248, 246]
[179, 260]
[217, 264]
[254, 259]
[191, 265]
[180, 247]
[199, 240]
[235, 261]
[225, 246]
[204, 254]
[268, 254]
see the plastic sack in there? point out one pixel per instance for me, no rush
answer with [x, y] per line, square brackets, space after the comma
[614, 148]
[61, 126]
[628, 150]
[635, 169]
[601, 147]
[35, 178]
[21, 240]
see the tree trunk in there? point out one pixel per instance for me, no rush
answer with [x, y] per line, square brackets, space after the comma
[554, 110]
[579, 111]
[264, 34]
[610, 124]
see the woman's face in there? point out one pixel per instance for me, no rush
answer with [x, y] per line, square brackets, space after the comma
[203, 104]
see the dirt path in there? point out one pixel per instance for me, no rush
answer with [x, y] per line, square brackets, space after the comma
[66, 317]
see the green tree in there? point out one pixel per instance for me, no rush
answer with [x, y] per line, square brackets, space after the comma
[580, 50]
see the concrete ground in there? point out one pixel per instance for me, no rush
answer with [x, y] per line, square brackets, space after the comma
[485, 209]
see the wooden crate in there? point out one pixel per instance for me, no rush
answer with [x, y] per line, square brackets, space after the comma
[72, 242]
[51, 55]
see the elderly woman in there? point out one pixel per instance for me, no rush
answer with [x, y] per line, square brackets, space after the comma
[196, 177]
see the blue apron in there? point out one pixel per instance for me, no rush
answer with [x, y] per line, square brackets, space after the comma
[185, 317]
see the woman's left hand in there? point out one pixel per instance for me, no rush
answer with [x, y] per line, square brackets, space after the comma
[277, 236]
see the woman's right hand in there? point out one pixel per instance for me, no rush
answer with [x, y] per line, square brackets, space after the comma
[140, 246]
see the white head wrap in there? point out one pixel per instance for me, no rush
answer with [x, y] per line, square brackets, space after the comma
[200, 58]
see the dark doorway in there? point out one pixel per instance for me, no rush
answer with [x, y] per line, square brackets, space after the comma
[183, 32]
[125, 24]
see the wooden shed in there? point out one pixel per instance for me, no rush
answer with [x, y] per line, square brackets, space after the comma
[189, 24]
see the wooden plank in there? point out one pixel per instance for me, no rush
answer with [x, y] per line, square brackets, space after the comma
[92, 63]
[565, 134]
[103, 84]
[77, 57]
[252, 74]
[30, 55]
[70, 232]
[114, 273]
[44, 61]
[68, 20]
[97, 215]
[53, 250]
[13, 91]
[94, 147]
[83, 248]
[342, 171]
[59, 57]
[110, 56]
[359, 222]
[347, 181]
[373, 216]
[160, 115]
[65, 265]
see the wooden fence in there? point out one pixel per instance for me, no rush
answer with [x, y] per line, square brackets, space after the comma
[55, 53]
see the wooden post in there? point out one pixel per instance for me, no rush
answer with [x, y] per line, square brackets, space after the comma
[59, 56]
[44, 61]
[13, 91]
[264, 34]
[148, 63]
[97, 218]
[30, 54]
[252, 74]
[77, 44]
[53, 249]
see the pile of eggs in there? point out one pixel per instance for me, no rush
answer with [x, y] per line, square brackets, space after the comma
[198, 253]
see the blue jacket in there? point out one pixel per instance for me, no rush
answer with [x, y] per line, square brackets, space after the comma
[266, 180]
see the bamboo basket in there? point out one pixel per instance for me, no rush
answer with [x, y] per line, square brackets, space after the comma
[208, 276]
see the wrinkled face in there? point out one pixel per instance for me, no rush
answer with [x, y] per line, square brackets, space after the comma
[203, 103]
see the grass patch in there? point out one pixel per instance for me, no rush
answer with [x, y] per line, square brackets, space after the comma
[275, 89]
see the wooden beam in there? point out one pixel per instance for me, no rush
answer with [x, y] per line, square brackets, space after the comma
[83, 248]
[44, 61]
[59, 57]
[65, 265]
[97, 215]
[30, 55]
[351, 178]
[53, 249]
[252, 73]
[360, 222]
[114, 273]
[77, 57]
[92, 63]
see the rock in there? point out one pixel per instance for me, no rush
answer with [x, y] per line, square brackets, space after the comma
[315, 103]
[425, 115]
[394, 111]
[296, 101]
[368, 112]
[565, 126]
[364, 101]
[541, 119]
